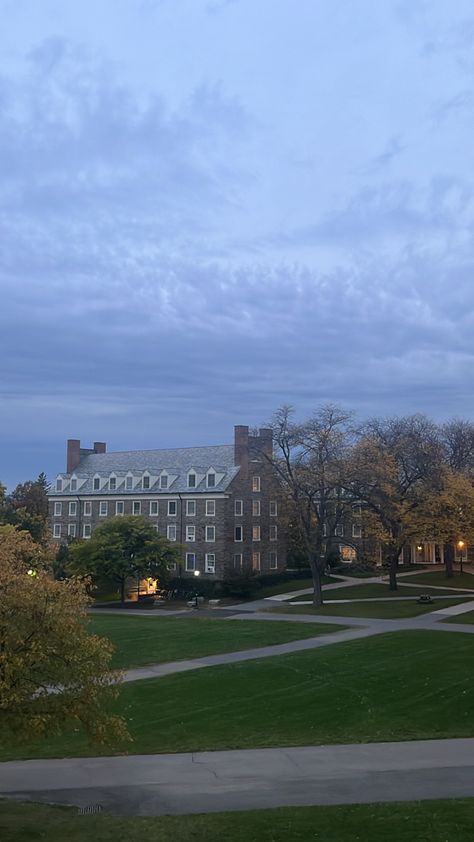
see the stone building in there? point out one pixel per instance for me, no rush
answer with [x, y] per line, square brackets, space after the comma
[220, 502]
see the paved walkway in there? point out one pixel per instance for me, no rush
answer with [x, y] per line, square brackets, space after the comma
[207, 782]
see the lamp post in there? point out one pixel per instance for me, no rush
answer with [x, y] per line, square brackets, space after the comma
[460, 546]
[196, 605]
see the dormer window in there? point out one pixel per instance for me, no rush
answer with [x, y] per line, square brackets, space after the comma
[129, 483]
[191, 480]
[211, 479]
[164, 481]
[73, 484]
[96, 484]
[59, 485]
[112, 483]
[146, 482]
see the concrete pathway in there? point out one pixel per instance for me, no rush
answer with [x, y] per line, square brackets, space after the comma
[454, 610]
[207, 782]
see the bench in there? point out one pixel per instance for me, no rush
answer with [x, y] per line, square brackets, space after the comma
[424, 598]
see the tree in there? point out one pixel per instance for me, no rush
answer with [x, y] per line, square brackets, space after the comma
[27, 507]
[309, 459]
[52, 672]
[395, 466]
[122, 548]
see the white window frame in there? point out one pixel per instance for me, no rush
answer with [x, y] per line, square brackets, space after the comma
[58, 508]
[210, 530]
[190, 508]
[170, 504]
[208, 476]
[190, 533]
[87, 508]
[164, 481]
[273, 534]
[238, 529]
[256, 560]
[339, 530]
[57, 530]
[103, 508]
[129, 483]
[255, 508]
[256, 533]
[273, 508]
[71, 530]
[154, 508]
[210, 563]
[73, 484]
[59, 484]
[256, 484]
[86, 530]
[112, 483]
[193, 475]
[356, 530]
[190, 562]
[119, 505]
[146, 487]
[136, 504]
[210, 508]
[96, 484]
[171, 532]
[238, 508]
[238, 560]
[72, 509]
[273, 560]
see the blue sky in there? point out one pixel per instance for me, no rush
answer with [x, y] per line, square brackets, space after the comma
[209, 208]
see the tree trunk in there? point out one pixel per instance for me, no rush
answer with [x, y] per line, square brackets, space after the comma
[122, 590]
[392, 571]
[317, 588]
[449, 560]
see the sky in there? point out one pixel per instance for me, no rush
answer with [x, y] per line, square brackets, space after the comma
[210, 208]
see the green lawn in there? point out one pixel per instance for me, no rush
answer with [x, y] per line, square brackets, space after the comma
[395, 609]
[438, 577]
[293, 585]
[398, 686]
[467, 618]
[151, 639]
[374, 591]
[418, 821]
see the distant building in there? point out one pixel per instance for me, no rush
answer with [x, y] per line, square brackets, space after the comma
[220, 502]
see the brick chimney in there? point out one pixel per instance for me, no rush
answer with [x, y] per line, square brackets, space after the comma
[241, 447]
[265, 435]
[73, 454]
[100, 447]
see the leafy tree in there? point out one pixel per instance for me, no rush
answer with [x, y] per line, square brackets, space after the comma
[122, 548]
[27, 507]
[53, 673]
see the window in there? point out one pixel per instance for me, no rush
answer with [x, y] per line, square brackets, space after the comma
[136, 507]
[119, 507]
[171, 532]
[74, 485]
[238, 560]
[172, 508]
[191, 480]
[255, 508]
[211, 479]
[96, 484]
[112, 484]
[273, 508]
[171, 565]
[146, 482]
[210, 533]
[339, 530]
[190, 508]
[164, 481]
[129, 483]
[273, 561]
[57, 530]
[86, 530]
[72, 509]
[210, 563]
[190, 532]
[273, 532]
[325, 530]
[239, 533]
[255, 533]
[255, 483]
[238, 508]
[255, 561]
[103, 508]
[87, 508]
[71, 530]
[356, 531]
[58, 509]
[156, 527]
[210, 508]
[153, 508]
[190, 561]
[59, 485]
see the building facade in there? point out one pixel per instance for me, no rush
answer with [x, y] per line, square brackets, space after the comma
[221, 503]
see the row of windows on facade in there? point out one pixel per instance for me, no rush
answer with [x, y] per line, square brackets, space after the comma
[210, 562]
[154, 508]
[256, 560]
[172, 530]
[145, 481]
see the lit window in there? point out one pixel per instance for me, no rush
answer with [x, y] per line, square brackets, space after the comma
[153, 508]
[210, 508]
[273, 561]
[190, 561]
[190, 508]
[57, 530]
[71, 530]
[58, 509]
[255, 561]
[190, 532]
[136, 507]
[239, 533]
[238, 508]
[356, 531]
[211, 479]
[191, 480]
[164, 481]
[72, 509]
[96, 484]
[273, 533]
[87, 508]
[86, 530]
[171, 532]
[146, 482]
[119, 507]
[172, 508]
[255, 483]
[112, 484]
[129, 483]
[256, 508]
[255, 533]
[210, 563]
[59, 485]
[238, 560]
[210, 533]
[103, 508]
[74, 485]
[273, 508]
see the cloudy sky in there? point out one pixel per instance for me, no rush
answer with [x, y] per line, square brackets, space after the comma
[212, 207]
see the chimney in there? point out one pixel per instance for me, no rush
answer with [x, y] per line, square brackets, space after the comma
[73, 454]
[265, 435]
[100, 447]
[241, 447]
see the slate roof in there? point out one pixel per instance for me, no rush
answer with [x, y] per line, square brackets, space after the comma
[175, 462]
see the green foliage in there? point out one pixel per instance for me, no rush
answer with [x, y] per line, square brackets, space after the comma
[27, 508]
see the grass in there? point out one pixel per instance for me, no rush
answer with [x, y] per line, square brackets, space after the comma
[467, 618]
[397, 686]
[438, 577]
[150, 640]
[374, 591]
[418, 821]
[292, 585]
[395, 609]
